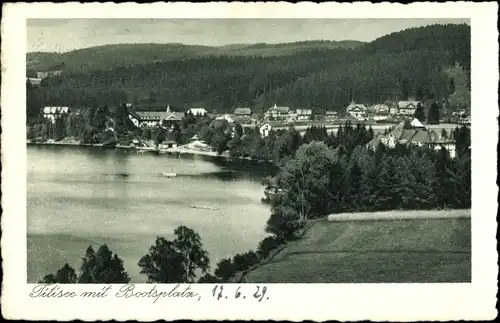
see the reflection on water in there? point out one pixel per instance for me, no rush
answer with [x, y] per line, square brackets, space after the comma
[79, 196]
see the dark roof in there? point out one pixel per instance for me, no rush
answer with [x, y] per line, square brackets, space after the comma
[407, 135]
[420, 136]
[354, 106]
[151, 115]
[156, 115]
[133, 113]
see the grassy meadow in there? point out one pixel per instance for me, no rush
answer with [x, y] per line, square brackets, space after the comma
[421, 250]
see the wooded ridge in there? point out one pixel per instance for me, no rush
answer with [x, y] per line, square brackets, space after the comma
[321, 75]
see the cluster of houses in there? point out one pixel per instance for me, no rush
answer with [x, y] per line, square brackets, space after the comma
[417, 135]
[51, 113]
[382, 112]
[42, 75]
[377, 112]
[35, 81]
[282, 113]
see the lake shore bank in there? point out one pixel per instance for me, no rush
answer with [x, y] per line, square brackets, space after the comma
[179, 151]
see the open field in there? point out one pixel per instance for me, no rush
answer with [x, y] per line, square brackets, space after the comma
[423, 250]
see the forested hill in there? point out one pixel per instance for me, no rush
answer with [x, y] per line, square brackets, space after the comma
[123, 55]
[412, 62]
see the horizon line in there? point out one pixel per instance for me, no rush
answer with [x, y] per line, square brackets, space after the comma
[200, 45]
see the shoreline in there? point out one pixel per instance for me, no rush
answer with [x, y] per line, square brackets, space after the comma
[179, 151]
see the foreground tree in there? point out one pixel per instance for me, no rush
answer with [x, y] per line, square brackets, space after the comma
[267, 245]
[419, 113]
[175, 261]
[225, 269]
[65, 275]
[208, 279]
[102, 267]
[434, 114]
[245, 260]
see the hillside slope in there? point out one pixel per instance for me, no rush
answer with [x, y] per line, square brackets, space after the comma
[123, 55]
[318, 75]
[396, 251]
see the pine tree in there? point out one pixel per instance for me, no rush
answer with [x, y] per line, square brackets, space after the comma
[419, 113]
[102, 267]
[65, 275]
[434, 114]
[451, 86]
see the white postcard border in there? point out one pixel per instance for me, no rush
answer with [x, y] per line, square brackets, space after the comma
[295, 302]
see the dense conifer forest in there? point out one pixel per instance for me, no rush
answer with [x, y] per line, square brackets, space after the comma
[318, 75]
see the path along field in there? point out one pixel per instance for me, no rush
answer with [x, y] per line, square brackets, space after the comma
[414, 246]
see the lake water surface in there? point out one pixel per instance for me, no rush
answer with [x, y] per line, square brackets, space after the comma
[79, 196]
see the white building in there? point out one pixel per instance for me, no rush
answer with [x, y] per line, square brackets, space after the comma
[226, 117]
[331, 115]
[42, 75]
[243, 112]
[381, 109]
[417, 136]
[265, 129]
[277, 113]
[407, 108]
[357, 111]
[380, 112]
[52, 112]
[34, 81]
[303, 114]
[152, 119]
[198, 111]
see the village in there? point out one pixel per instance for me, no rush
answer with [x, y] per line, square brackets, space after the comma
[392, 122]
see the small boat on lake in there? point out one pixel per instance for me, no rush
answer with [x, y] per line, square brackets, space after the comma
[171, 174]
[203, 207]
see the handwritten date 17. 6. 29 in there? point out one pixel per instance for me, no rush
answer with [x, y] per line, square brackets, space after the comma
[259, 294]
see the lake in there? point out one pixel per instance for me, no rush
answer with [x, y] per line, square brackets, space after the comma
[81, 196]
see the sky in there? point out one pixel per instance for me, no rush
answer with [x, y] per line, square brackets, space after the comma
[62, 35]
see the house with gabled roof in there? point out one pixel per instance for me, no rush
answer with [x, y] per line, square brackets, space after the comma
[278, 113]
[34, 81]
[243, 112]
[356, 110]
[380, 112]
[152, 119]
[416, 135]
[407, 108]
[303, 114]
